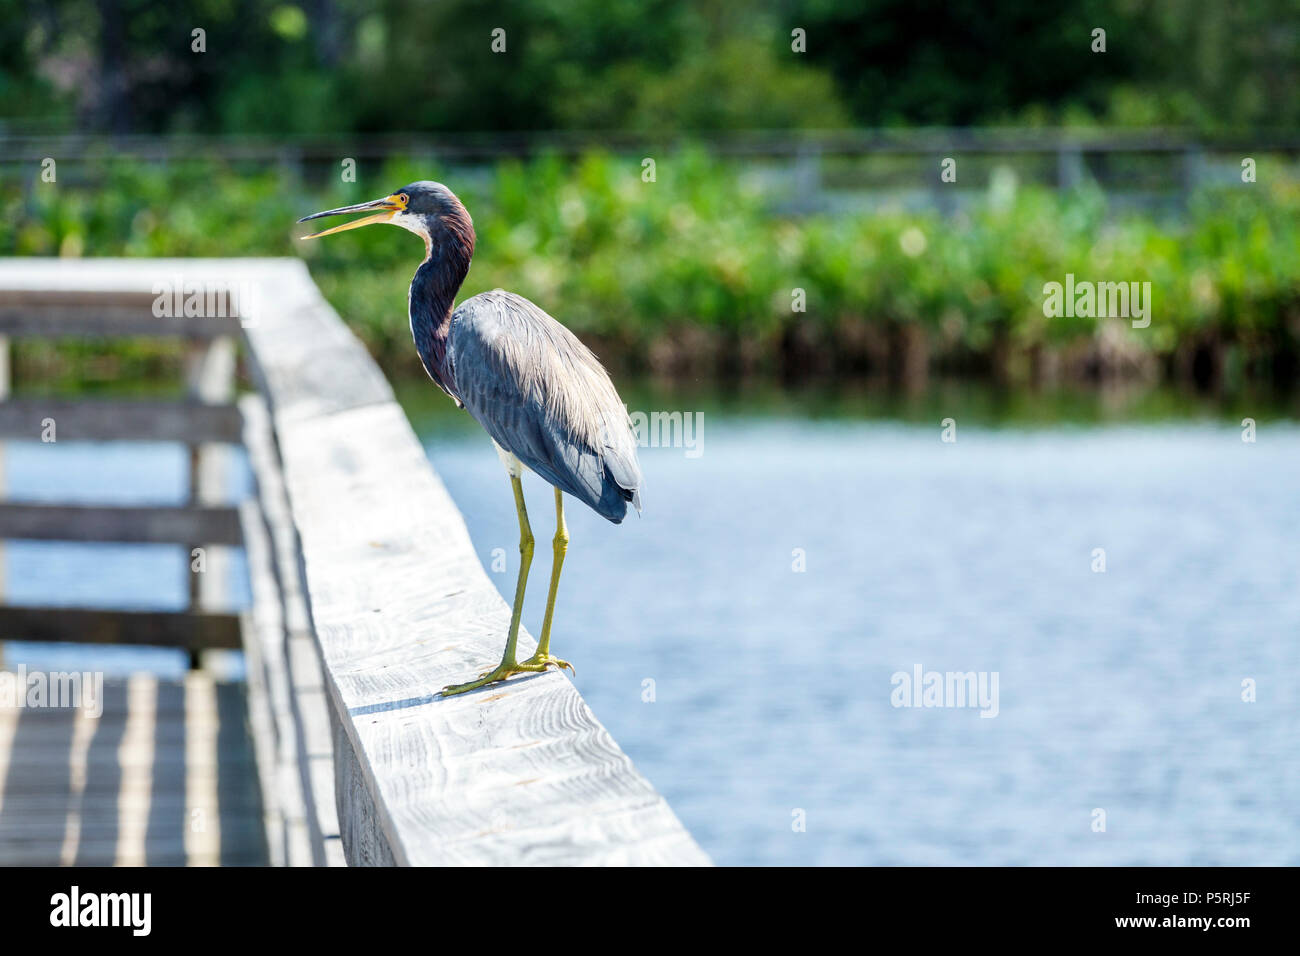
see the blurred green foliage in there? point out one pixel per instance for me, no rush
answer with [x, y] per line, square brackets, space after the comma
[336, 66]
[697, 263]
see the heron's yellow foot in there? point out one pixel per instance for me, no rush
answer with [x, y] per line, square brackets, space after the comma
[534, 665]
[547, 660]
[495, 676]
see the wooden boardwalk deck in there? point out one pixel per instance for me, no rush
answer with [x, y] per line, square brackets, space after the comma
[165, 776]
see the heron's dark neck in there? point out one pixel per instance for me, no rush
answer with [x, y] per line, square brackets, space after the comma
[450, 243]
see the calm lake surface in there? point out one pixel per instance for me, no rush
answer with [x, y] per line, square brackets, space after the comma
[1119, 691]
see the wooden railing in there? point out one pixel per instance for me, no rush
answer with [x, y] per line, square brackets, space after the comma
[205, 421]
[367, 598]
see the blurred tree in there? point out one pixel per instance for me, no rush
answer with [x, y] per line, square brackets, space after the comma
[954, 62]
[1213, 65]
[1171, 62]
[586, 64]
[327, 66]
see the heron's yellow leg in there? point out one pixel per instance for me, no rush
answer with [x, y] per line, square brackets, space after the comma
[561, 545]
[508, 664]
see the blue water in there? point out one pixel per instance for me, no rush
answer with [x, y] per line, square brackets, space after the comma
[1119, 691]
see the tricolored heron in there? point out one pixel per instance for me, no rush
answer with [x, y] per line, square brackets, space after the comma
[542, 396]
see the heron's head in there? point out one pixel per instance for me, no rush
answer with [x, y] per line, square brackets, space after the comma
[425, 208]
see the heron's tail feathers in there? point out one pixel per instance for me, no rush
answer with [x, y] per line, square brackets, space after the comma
[624, 472]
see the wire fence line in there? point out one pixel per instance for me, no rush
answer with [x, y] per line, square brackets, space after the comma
[806, 171]
[496, 145]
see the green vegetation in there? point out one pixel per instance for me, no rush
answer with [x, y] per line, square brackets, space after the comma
[694, 273]
[336, 66]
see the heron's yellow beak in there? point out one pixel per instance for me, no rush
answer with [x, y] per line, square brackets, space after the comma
[390, 206]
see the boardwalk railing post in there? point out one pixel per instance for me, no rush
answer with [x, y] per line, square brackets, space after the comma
[5, 386]
[1069, 167]
[210, 379]
[808, 178]
[1193, 162]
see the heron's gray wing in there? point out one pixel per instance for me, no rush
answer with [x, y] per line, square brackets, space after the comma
[542, 395]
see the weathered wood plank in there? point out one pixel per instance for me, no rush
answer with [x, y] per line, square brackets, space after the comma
[46, 283]
[134, 288]
[289, 835]
[147, 782]
[50, 299]
[153, 524]
[304, 360]
[57, 322]
[184, 629]
[4, 397]
[260, 717]
[210, 377]
[118, 420]
[284, 669]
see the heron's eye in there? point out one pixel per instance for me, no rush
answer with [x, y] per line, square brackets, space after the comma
[404, 198]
